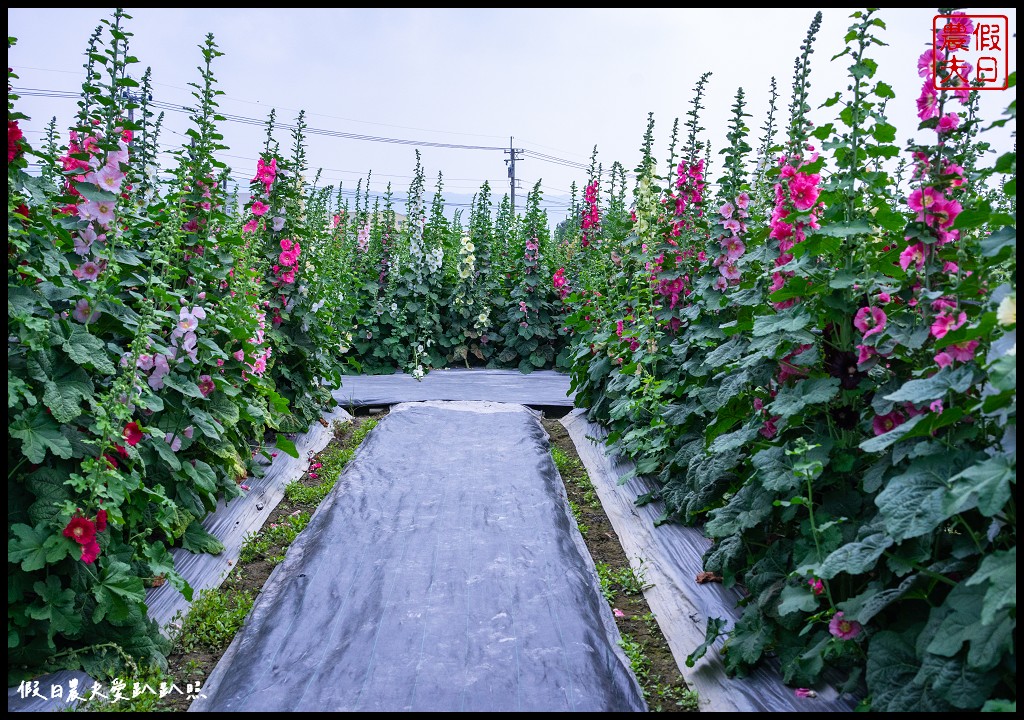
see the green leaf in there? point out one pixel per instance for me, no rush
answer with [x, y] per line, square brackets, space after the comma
[117, 591]
[58, 606]
[972, 218]
[86, 349]
[845, 229]
[748, 639]
[162, 563]
[924, 391]
[856, 557]
[286, 446]
[165, 453]
[869, 603]
[711, 634]
[955, 681]
[884, 132]
[911, 503]
[36, 547]
[797, 598]
[999, 570]
[985, 486]
[184, 386]
[993, 244]
[91, 192]
[780, 323]
[39, 433]
[64, 394]
[197, 540]
[884, 91]
[958, 620]
[891, 668]
[202, 475]
[812, 391]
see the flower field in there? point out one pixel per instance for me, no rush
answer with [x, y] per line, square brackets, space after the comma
[806, 337]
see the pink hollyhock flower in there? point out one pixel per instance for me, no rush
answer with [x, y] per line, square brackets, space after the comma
[921, 199]
[726, 210]
[913, 255]
[188, 432]
[286, 244]
[206, 385]
[964, 352]
[734, 248]
[84, 313]
[884, 423]
[947, 322]
[14, 136]
[190, 227]
[842, 628]
[732, 225]
[259, 208]
[769, 429]
[817, 587]
[942, 214]
[936, 407]
[730, 271]
[106, 178]
[239, 355]
[742, 201]
[618, 613]
[188, 320]
[145, 362]
[884, 297]
[869, 320]
[804, 191]
[90, 552]
[87, 271]
[720, 283]
[927, 101]
[160, 369]
[81, 530]
[251, 225]
[805, 693]
[702, 256]
[132, 434]
[926, 63]
[174, 441]
[258, 366]
[865, 353]
[950, 267]
[948, 122]
[943, 359]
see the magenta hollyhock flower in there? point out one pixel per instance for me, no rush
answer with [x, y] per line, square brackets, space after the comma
[90, 552]
[927, 101]
[805, 693]
[948, 122]
[946, 322]
[884, 297]
[964, 352]
[239, 355]
[922, 199]
[865, 353]
[132, 434]
[943, 359]
[869, 320]
[81, 530]
[942, 214]
[804, 190]
[206, 385]
[288, 276]
[817, 586]
[618, 613]
[913, 255]
[251, 226]
[87, 271]
[936, 407]
[286, 244]
[884, 423]
[259, 208]
[842, 628]
[769, 429]
[926, 63]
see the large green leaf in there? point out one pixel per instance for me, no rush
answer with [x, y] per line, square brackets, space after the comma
[797, 598]
[780, 323]
[87, 349]
[197, 540]
[711, 634]
[891, 668]
[56, 604]
[39, 433]
[911, 503]
[999, 571]
[35, 547]
[162, 563]
[812, 391]
[116, 592]
[935, 387]
[958, 620]
[985, 486]
[856, 557]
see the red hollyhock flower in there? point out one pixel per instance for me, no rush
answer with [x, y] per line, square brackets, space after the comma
[90, 552]
[132, 433]
[14, 136]
[101, 520]
[111, 461]
[81, 530]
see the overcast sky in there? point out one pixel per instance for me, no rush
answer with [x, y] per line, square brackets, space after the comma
[558, 81]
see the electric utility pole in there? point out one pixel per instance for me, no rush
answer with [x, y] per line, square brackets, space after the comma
[513, 155]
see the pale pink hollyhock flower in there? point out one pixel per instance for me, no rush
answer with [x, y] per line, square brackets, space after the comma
[730, 271]
[102, 211]
[869, 320]
[174, 441]
[734, 248]
[87, 271]
[144, 363]
[842, 628]
[187, 432]
[726, 210]
[83, 312]
[720, 283]
[277, 224]
[742, 201]
[732, 225]
[258, 366]
[188, 320]
[936, 407]
[239, 355]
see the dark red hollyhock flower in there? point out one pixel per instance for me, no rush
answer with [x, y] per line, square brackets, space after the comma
[14, 136]
[81, 530]
[90, 552]
[101, 520]
[132, 433]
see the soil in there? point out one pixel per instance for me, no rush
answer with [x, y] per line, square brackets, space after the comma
[663, 684]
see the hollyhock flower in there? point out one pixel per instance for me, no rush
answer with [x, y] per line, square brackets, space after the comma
[913, 255]
[804, 190]
[14, 136]
[732, 225]
[884, 297]
[206, 385]
[81, 530]
[174, 441]
[277, 224]
[288, 276]
[259, 365]
[106, 178]
[720, 284]
[922, 199]
[869, 320]
[729, 271]
[964, 352]
[842, 628]
[948, 122]
[726, 210]
[884, 423]
[943, 359]
[188, 346]
[734, 248]
[769, 429]
[102, 211]
[188, 320]
[936, 407]
[145, 362]
[927, 101]
[946, 322]
[259, 208]
[926, 63]
[188, 432]
[239, 355]
[805, 693]
[160, 369]
[132, 434]
[817, 587]
[618, 613]
[742, 201]
[90, 552]
[1006, 313]
[101, 520]
[87, 271]
[84, 313]
[251, 226]
[865, 353]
